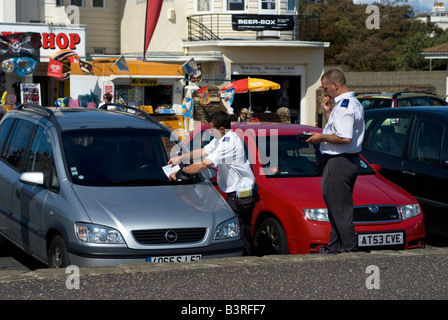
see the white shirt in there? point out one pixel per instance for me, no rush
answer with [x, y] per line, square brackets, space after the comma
[234, 169]
[347, 121]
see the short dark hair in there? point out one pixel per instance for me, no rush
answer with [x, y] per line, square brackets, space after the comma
[108, 96]
[334, 75]
[220, 119]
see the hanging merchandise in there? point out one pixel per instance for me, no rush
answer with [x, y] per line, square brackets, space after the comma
[8, 66]
[65, 56]
[25, 66]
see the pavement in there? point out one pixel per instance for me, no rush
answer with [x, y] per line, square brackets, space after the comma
[377, 275]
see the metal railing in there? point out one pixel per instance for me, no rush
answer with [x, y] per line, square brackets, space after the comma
[219, 27]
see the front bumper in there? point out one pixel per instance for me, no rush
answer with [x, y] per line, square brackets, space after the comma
[102, 256]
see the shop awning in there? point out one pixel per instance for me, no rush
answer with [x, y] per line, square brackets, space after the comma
[137, 68]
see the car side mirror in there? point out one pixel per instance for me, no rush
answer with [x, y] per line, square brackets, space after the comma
[32, 178]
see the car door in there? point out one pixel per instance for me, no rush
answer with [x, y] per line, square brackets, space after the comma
[28, 201]
[425, 171]
[5, 184]
[385, 143]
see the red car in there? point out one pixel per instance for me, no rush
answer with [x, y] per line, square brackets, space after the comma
[291, 217]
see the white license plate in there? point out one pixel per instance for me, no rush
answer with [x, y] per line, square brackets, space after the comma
[380, 239]
[189, 258]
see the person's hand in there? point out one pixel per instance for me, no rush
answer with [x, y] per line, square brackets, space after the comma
[175, 161]
[326, 103]
[315, 138]
[172, 176]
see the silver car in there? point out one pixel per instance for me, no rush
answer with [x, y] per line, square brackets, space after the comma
[86, 187]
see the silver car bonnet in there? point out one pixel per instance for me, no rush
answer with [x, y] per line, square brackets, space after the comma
[154, 207]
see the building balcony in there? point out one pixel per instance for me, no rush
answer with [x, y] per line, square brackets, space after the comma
[218, 27]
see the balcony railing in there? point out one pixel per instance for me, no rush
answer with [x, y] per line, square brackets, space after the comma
[219, 27]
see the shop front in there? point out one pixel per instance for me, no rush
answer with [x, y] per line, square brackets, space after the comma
[156, 88]
[36, 86]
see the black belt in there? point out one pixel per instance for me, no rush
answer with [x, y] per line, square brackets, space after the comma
[329, 156]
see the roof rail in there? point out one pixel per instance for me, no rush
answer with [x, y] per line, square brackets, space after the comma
[36, 106]
[121, 106]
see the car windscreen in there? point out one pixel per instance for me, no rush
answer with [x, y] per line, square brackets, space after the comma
[295, 158]
[112, 157]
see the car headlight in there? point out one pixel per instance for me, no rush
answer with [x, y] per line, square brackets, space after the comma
[93, 233]
[227, 229]
[317, 214]
[410, 211]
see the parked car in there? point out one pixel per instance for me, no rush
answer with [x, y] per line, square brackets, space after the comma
[399, 99]
[86, 187]
[411, 145]
[291, 216]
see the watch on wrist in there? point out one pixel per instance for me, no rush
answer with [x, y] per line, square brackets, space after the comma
[182, 175]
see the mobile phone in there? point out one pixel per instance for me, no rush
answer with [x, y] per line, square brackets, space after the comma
[304, 136]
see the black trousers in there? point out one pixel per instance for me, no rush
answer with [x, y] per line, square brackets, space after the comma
[338, 180]
[244, 219]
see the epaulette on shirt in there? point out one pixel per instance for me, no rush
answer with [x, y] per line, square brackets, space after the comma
[345, 103]
[226, 139]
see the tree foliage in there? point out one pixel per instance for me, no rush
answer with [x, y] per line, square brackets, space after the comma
[395, 46]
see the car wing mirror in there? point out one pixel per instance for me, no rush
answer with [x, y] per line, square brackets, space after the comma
[32, 178]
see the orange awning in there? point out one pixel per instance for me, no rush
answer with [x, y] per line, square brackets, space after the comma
[105, 67]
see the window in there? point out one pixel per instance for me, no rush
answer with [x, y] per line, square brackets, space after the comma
[17, 143]
[59, 3]
[387, 136]
[268, 4]
[40, 157]
[291, 6]
[78, 3]
[41, 153]
[427, 141]
[4, 130]
[235, 5]
[98, 3]
[203, 6]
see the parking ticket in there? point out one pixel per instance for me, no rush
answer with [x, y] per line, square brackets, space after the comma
[169, 170]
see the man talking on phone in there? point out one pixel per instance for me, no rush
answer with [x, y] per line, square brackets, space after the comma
[340, 144]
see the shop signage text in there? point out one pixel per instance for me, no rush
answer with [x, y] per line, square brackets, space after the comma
[53, 39]
[242, 22]
[142, 82]
[279, 70]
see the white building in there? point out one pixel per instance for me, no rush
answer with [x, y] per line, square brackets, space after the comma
[230, 39]
[438, 15]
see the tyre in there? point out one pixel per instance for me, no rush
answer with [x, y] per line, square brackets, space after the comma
[270, 238]
[58, 254]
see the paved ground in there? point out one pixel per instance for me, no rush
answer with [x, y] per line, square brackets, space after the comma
[385, 275]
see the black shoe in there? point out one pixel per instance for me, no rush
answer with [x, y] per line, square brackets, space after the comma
[325, 250]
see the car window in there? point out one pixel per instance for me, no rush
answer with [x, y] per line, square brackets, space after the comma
[375, 103]
[17, 143]
[40, 157]
[387, 135]
[404, 103]
[41, 152]
[444, 152]
[420, 101]
[116, 157]
[437, 102]
[427, 141]
[4, 130]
